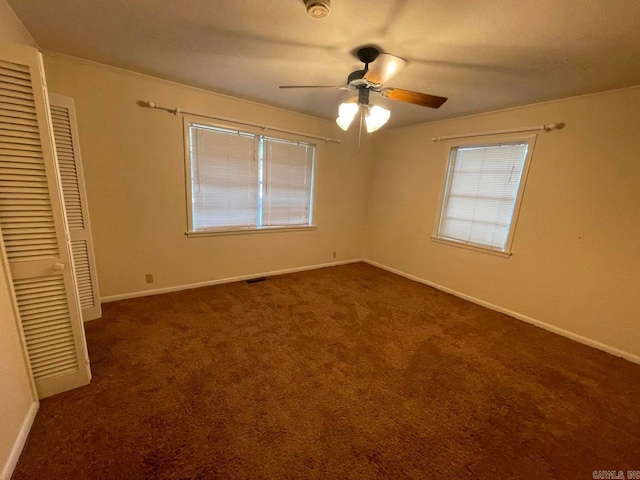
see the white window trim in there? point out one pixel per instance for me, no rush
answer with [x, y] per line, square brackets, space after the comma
[220, 232]
[476, 141]
[187, 120]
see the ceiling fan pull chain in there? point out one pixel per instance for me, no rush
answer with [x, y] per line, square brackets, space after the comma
[360, 129]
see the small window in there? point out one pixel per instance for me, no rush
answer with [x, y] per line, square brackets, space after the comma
[239, 181]
[484, 185]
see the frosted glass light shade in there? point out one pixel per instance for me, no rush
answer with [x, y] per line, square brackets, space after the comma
[346, 113]
[376, 118]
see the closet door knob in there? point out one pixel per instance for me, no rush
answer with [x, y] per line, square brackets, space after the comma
[58, 266]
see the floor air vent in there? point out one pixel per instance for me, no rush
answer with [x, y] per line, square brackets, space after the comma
[256, 280]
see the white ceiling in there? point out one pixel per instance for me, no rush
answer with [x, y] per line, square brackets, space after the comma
[483, 55]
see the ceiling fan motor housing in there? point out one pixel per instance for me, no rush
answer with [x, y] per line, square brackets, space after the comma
[318, 8]
[363, 96]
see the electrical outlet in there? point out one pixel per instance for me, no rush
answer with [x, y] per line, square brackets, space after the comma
[334, 254]
[149, 277]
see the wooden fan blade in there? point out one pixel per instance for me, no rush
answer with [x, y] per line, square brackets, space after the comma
[384, 67]
[416, 98]
[311, 86]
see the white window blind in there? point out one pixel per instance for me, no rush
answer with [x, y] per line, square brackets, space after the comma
[288, 169]
[243, 181]
[483, 184]
[224, 174]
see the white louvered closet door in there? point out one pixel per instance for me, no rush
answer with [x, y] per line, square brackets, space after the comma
[65, 130]
[33, 227]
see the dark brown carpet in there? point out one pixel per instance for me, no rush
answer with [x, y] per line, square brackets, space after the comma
[344, 372]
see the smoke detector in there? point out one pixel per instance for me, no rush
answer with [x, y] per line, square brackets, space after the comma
[318, 8]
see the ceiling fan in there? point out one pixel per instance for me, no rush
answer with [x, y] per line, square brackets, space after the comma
[383, 67]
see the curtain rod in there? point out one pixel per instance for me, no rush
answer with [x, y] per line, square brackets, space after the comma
[178, 111]
[547, 128]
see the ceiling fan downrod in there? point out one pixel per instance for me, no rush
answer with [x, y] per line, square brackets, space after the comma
[366, 55]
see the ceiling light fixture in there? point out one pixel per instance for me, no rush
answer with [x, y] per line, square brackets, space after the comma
[346, 114]
[318, 8]
[374, 116]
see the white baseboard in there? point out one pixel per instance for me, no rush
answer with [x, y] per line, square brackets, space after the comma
[559, 331]
[18, 445]
[177, 288]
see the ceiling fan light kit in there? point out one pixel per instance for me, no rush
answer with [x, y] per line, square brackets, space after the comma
[374, 116]
[318, 8]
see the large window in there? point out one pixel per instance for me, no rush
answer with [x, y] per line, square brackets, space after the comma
[483, 187]
[240, 181]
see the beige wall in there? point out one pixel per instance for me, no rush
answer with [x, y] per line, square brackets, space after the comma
[575, 263]
[134, 169]
[11, 29]
[17, 397]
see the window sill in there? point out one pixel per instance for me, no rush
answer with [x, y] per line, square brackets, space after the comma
[247, 231]
[475, 248]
